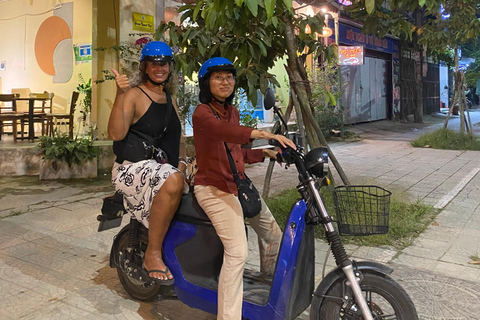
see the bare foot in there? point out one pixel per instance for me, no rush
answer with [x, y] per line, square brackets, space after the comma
[153, 261]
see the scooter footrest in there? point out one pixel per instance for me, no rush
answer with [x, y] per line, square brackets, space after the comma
[109, 224]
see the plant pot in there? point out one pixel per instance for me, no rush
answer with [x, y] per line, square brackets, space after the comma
[54, 169]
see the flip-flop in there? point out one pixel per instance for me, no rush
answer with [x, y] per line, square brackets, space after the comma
[159, 281]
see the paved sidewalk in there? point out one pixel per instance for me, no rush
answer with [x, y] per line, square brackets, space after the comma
[54, 265]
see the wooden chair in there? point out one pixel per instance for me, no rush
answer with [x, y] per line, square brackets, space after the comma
[8, 115]
[39, 110]
[46, 106]
[54, 120]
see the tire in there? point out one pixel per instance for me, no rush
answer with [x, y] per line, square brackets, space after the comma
[386, 298]
[139, 290]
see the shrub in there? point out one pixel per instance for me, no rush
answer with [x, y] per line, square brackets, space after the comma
[62, 148]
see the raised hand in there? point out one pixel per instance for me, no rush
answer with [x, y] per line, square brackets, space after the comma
[121, 80]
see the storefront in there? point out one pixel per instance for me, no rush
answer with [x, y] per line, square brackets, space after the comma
[368, 88]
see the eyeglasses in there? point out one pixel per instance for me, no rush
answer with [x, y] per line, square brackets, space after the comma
[219, 79]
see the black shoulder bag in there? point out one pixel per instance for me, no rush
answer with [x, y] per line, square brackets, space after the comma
[247, 193]
[138, 146]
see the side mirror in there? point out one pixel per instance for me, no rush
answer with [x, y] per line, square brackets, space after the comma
[269, 99]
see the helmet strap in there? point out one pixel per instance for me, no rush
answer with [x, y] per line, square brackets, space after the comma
[223, 103]
[219, 101]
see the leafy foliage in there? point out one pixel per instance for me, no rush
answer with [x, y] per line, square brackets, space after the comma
[439, 29]
[250, 33]
[472, 49]
[62, 148]
[186, 97]
[85, 90]
[246, 114]
[325, 93]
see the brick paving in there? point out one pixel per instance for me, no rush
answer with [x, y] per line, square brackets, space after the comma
[54, 264]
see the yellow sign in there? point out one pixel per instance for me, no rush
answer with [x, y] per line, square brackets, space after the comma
[142, 22]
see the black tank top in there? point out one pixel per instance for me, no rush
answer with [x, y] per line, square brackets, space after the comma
[152, 123]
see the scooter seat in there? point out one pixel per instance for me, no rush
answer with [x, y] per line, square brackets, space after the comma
[190, 211]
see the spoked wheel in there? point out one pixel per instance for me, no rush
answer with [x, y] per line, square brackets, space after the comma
[386, 298]
[140, 290]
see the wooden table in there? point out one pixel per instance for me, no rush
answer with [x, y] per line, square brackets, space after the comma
[31, 114]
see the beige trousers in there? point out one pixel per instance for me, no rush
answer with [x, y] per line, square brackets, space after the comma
[225, 212]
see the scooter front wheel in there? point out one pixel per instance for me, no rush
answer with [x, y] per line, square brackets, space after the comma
[386, 299]
[140, 290]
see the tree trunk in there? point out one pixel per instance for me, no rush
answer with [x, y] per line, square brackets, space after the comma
[316, 138]
[271, 164]
[418, 115]
[459, 99]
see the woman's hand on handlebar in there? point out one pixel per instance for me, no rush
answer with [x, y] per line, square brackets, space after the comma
[273, 154]
[284, 141]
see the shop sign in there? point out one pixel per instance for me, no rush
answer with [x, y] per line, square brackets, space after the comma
[353, 36]
[142, 22]
[350, 56]
[83, 53]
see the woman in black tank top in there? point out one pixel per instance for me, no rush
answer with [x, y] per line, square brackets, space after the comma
[151, 190]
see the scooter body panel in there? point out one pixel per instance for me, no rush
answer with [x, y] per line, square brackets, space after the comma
[283, 280]
[200, 297]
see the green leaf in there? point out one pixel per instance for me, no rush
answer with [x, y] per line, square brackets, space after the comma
[288, 4]
[270, 7]
[211, 18]
[262, 48]
[370, 6]
[421, 3]
[332, 99]
[201, 48]
[275, 21]
[197, 9]
[239, 2]
[252, 5]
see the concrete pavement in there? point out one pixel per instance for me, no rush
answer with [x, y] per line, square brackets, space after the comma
[54, 265]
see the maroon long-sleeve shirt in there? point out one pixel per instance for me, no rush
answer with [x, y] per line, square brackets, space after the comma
[209, 134]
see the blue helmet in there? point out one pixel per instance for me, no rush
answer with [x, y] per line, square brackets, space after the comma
[215, 64]
[212, 65]
[156, 51]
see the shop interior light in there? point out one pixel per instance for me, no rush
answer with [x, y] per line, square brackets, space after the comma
[326, 32]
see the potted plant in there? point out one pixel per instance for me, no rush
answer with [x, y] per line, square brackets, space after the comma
[84, 88]
[65, 158]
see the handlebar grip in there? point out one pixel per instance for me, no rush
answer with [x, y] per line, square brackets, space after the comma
[275, 143]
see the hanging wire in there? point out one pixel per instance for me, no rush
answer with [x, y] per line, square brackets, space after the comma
[35, 14]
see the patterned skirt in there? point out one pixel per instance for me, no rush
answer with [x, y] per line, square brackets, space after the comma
[139, 182]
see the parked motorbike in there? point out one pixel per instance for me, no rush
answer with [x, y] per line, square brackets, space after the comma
[194, 254]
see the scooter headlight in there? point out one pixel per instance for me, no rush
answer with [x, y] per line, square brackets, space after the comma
[316, 162]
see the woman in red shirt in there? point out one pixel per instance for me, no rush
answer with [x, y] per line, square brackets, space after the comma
[216, 122]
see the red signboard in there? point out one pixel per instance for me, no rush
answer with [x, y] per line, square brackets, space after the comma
[350, 55]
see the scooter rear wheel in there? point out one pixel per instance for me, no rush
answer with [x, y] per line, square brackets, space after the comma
[140, 290]
[386, 298]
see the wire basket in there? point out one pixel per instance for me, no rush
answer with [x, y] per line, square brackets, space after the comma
[362, 210]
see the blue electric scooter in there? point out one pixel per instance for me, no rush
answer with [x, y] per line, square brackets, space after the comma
[194, 254]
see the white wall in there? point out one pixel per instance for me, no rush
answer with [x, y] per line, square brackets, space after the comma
[19, 23]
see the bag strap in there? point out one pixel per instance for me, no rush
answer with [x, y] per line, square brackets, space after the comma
[229, 155]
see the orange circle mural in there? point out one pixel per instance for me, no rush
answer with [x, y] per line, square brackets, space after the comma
[50, 33]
